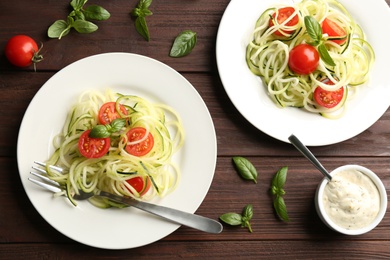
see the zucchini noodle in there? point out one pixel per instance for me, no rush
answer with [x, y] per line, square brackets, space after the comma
[267, 56]
[112, 171]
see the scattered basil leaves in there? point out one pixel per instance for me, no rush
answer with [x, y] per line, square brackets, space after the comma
[314, 30]
[140, 13]
[277, 189]
[79, 19]
[245, 168]
[103, 131]
[236, 219]
[183, 44]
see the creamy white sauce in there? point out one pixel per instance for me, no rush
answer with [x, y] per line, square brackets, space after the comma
[351, 199]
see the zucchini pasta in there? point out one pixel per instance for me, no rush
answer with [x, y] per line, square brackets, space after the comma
[122, 144]
[310, 55]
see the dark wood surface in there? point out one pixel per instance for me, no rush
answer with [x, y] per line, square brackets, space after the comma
[24, 234]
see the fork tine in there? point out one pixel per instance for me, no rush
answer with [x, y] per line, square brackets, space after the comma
[45, 185]
[50, 166]
[45, 178]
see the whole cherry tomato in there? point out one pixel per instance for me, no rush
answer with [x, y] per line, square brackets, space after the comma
[22, 51]
[303, 59]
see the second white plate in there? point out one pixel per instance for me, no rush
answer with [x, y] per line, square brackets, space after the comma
[249, 96]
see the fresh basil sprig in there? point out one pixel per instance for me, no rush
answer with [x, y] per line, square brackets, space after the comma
[245, 168]
[314, 30]
[103, 131]
[140, 12]
[183, 44]
[236, 219]
[277, 190]
[78, 19]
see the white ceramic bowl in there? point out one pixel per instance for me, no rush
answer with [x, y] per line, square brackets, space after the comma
[327, 220]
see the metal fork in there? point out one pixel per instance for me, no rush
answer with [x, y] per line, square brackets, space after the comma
[180, 217]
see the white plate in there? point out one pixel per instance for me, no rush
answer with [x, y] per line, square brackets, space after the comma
[127, 74]
[249, 96]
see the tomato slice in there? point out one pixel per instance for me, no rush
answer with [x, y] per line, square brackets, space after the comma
[283, 14]
[334, 30]
[137, 147]
[93, 147]
[140, 184]
[328, 99]
[108, 113]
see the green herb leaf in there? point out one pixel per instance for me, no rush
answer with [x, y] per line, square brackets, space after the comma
[117, 125]
[280, 178]
[278, 183]
[233, 219]
[280, 208]
[325, 56]
[142, 27]
[144, 4]
[78, 4]
[245, 168]
[96, 12]
[247, 212]
[183, 44]
[83, 26]
[313, 29]
[58, 29]
[99, 131]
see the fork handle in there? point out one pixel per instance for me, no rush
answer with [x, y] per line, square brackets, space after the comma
[174, 215]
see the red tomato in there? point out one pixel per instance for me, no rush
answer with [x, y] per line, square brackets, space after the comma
[22, 51]
[283, 14]
[334, 30]
[108, 113]
[303, 59]
[140, 148]
[328, 99]
[93, 147]
[141, 185]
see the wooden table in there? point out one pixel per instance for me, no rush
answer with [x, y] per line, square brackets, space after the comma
[24, 234]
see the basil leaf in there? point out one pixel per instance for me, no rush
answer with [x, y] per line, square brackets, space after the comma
[280, 208]
[313, 28]
[325, 56]
[233, 219]
[247, 212]
[144, 4]
[117, 125]
[142, 27]
[280, 178]
[245, 168]
[83, 26]
[78, 15]
[99, 131]
[58, 29]
[96, 12]
[78, 4]
[183, 44]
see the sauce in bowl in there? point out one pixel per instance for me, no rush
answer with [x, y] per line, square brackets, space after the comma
[354, 202]
[351, 199]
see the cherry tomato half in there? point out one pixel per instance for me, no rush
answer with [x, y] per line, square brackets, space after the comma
[328, 99]
[93, 147]
[139, 148]
[22, 51]
[141, 185]
[108, 113]
[283, 14]
[303, 59]
[334, 30]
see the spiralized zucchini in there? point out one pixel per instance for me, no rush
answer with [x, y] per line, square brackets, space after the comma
[110, 172]
[267, 56]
